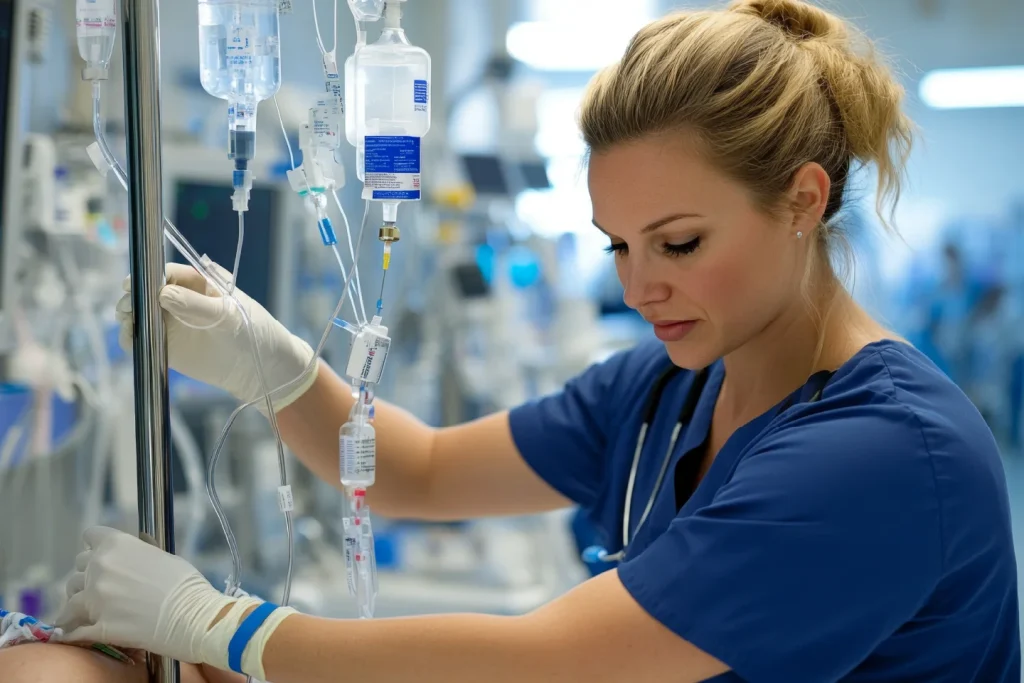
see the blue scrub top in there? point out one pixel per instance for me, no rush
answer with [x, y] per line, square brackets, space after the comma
[861, 537]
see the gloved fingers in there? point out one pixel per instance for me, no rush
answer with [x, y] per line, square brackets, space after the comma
[97, 535]
[76, 584]
[74, 614]
[123, 309]
[192, 308]
[125, 335]
[82, 560]
[91, 633]
[186, 276]
[176, 274]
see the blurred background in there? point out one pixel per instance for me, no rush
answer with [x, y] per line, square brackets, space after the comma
[501, 289]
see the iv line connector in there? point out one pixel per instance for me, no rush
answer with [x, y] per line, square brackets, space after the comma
[389, 232]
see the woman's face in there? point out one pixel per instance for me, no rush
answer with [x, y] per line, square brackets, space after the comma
[696, 257]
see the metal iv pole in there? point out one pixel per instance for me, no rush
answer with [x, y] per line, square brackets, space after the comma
[141, 22]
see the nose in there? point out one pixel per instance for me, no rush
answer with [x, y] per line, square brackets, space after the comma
[641, 285]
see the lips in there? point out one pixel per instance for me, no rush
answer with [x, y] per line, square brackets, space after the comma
[673, 330]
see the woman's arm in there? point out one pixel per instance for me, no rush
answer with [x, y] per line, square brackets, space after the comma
[595, 633]
[470, 470]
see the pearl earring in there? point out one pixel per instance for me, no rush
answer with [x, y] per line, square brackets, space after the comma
[799, 235]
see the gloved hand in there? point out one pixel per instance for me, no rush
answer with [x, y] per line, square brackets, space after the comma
[207, 339]
[128, 593]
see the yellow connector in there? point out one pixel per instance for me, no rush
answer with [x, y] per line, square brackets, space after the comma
[387, 255]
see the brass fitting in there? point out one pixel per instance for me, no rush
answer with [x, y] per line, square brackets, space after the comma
[389, 232]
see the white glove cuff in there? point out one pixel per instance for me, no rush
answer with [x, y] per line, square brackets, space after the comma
[285, 399]
[214, 648]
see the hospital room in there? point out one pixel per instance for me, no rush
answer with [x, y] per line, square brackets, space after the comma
[449, 341]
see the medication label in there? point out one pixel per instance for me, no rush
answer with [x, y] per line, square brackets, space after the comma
[241, 46]
[420, 95]
[392, 168]
[95, 14]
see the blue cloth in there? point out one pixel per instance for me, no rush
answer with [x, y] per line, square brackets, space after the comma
[863, 537]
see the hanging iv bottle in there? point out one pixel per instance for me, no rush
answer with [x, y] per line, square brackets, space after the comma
[240, 61]
[358, 446]
[392, 112]
[95, 25]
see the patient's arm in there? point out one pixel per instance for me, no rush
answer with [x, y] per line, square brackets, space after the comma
[35, 663]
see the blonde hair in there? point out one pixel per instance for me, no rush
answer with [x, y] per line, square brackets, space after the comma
[765, 86]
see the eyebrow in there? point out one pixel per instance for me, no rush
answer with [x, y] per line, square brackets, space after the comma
[651, 227]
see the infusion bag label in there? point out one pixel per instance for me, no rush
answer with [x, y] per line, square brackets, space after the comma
[391, 167]
[95, 14]
[420, 95]
[241, 47]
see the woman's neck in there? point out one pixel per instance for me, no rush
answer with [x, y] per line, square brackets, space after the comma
[780, 358]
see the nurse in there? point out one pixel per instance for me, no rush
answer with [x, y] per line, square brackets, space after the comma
[790, 491]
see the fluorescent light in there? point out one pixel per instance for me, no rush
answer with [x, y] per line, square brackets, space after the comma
[584, 46]
[997, 86]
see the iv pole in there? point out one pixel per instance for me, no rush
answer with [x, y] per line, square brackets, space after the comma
[141, 22]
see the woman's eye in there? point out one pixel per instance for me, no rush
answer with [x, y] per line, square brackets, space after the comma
[682, 249]
[616, 248]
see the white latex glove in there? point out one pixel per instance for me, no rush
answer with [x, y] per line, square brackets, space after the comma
[128, 593]
[207, 339]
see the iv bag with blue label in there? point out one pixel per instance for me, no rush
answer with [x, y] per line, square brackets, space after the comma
[392, 112]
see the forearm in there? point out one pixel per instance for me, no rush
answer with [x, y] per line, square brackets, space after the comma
[310, 427]
[595, 633]
[460, 648]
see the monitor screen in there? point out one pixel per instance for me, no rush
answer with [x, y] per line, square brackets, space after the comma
[203, 214]
[486, 174]
[535, 175]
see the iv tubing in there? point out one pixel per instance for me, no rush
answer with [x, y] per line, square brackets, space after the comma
[351, 252]
[291, 156]
[214, 499]
[190, 254]
[238, 251]
[316, 23]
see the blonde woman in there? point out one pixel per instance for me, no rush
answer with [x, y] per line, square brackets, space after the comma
[790, 492]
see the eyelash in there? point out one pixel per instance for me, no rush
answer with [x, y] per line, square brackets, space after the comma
[673, 250]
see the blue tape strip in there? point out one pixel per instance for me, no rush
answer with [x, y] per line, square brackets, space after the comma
[246, 630]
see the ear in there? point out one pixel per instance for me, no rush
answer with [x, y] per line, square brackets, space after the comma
[808, 196]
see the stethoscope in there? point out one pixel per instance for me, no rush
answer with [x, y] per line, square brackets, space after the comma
[597, 553]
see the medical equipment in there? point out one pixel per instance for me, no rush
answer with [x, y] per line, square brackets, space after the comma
[96, 26]
[392, 114]
[105, 161]
[598, 554]
[363, 12]
[594, 554]
[240, 61]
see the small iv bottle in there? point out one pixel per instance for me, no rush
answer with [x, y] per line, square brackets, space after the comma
[392, 111]
[240, 61]
[358, 446]
[95, 25]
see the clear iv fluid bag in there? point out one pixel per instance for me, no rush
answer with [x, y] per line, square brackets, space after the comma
[240, 50]
[95, 26]
[392, 94]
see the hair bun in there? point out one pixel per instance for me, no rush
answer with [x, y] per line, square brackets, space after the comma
[799, 20]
